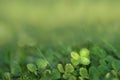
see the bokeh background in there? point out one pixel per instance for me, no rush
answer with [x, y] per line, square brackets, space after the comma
[43, 22]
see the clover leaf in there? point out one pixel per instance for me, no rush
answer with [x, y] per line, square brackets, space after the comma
[84, 61]
[32, 68]
[66, 75]
[84, 52]
[60, 68]
[83, 72]
[75, 55]
[69, 68]
[41, 63]
[75, 62]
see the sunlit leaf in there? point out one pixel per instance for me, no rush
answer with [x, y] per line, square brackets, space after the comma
[60, 68]
[32, 68]
[69, 68]
[84, 52]
[41, 63]
[84, 61]
[75, 55]
[75, 62]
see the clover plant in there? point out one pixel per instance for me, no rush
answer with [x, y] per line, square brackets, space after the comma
[93, 63]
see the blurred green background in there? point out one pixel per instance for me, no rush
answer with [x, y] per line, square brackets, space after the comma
[43, 22]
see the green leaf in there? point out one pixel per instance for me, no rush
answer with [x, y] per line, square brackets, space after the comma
[75, 62]
[75, 55]
[108, 75]
[41, 63]
[84, 53]
[66, 75]
[69, 68]
[84, 61]
[114, 73]
[7, 76]
[72, 77]
[102, 62]
[32, 68]
[109, 59]
[81, 78]
[60, 68]
[83, 72]
[46, 72]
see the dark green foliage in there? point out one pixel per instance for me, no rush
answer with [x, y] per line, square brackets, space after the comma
[93, 73]
[93, 63]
